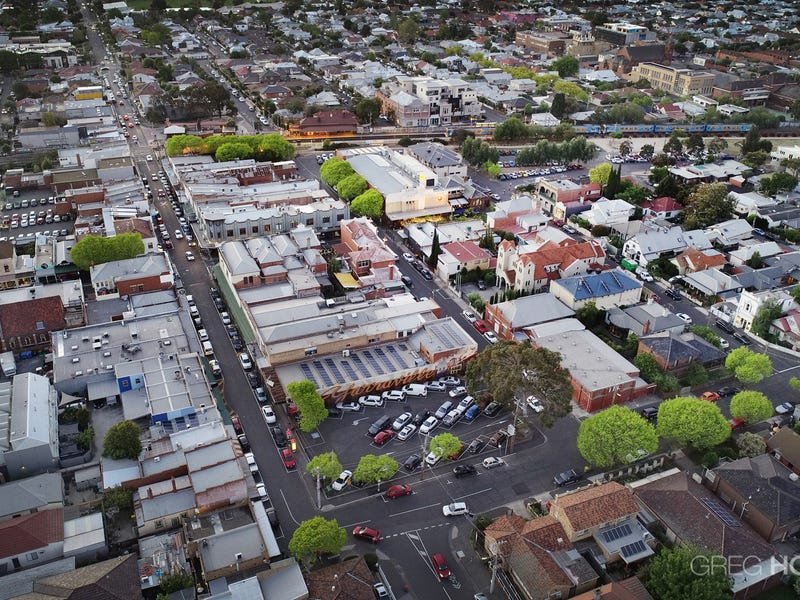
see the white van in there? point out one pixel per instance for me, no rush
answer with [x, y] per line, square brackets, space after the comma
[208, 349]
[203, 335]
[416, 389]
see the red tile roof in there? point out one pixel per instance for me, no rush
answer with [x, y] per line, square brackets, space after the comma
[662, 204]
[37, 315]
[31, 532]
[562, 255]
[596, 505]
[466, 251]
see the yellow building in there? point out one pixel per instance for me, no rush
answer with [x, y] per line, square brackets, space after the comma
[681, 82]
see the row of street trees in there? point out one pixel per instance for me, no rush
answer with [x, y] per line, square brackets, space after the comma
[268, 146]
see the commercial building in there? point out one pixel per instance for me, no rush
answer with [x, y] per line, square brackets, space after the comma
[148, 273]
[623, 34]
[551, 43]
[680, 82]
[509, 319]
[424, 101]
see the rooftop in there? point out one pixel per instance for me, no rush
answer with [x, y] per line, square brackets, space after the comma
[607, 283]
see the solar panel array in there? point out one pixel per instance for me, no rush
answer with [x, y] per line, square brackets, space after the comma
[362, 368]
[396, 357]
[616, 533]
[326, 379]
[373, 363]
[722, 512]
[385, 359]
[629, 550]
[309, 375]
[360, 364]
[349, 370]
[335, 370]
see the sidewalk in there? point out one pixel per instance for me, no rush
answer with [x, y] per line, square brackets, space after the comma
[476, 572]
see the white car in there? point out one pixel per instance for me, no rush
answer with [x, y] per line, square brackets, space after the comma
[436, 386]
[251, 461]
[408, 256]
[370, 401]
[455, 509]
[724, 344]
[785, 408]
[402, 421]
[428, 425]
[342, 481]
[269, 415]
[684, 317]
[432, 458]
[469, 316]
[214, 365]
[394, 395]
[490, 337]
[349, 406]
[457, 391]
[406, 432]
[178, 234]
[492, 461]
[149, 157]
[534, 404]
[450, 381]
[226, 318]
[244, 358]
[189, 256]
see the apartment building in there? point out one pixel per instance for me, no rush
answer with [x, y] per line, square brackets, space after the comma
[681, 82]
[622, 34]
[544, 42]
[424, 101]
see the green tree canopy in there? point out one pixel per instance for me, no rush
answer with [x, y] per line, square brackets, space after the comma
[334, 170]
[689, 420]
[315, 537]
[615, 435]
[436, 250]
[705, 332]
[709, 203]
[367, 110]
[751, 406]
[748, 366]
[445, 444]
[369, 204]
[122, 441]
[508, 371]
[233, 151]
[684, 572]
[327, 465]
[770, 310]
[118, 497]
[372, 468]
[96, 250]
[351, 187]
[567, 66]
[600, 173]
[776, 183]
[750, 445]
[264, 146]
[408, 31]
[309, 402]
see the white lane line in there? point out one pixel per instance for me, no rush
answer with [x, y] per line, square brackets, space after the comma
[413, 509]
[289, 509]
[473, 494]
[356, 523]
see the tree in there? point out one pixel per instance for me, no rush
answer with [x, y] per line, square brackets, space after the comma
[751, 406]
[311, 405]
[233, 151]
[374, 469]
[695, 144]
[589, 314]
[175, 582]
[776, 183]
[118, 497]
[755, 262]
[673, 146]
[351, 187]
[334, 170]
[647, 151]
[685, 572]
[445, 444]
[317, 536]
[122, 441]
[95, 250]
[326, 466]
[717, 145]
[753, 143]
[408, 31]
[769, 311]
[750, 445]
[709, 203]
[508, 371]
[748, 366]
[492, 168]
[705, 332]
[559, 105]
[615, 435]
[436, 250]
[367, 110]
[689, 420]
[369, 204]
[625, 147]
[600, 173]
[567, 66]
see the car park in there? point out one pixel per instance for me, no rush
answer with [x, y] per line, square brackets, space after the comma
[451, 418]
[455, 509]
[428, 425]
[370, 401]
[566, 477]
[367, 533]
[406, 432]
[464, 470]
[288, 459]
[398, 491]
[490, 462]
[457, 391]
[341, 482]
[436, 386]
[269, 415]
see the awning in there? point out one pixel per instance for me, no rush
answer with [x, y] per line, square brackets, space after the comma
[67, 399]
[347, 281]
[97, 390]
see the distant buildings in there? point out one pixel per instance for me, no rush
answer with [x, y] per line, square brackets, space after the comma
[681, 82]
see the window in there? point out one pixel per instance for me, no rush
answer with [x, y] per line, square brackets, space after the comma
[5, 268]
[39, 325]
[27, 341]
[266, 228]
[32, 556]
[255, 228]
[229, 233]
[242, 230]
[310, 221]
[340, 217]
[324, 220]
[159, 524]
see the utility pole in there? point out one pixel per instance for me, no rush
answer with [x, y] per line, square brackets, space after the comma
[495, 565]
[424, 438]
[319, 489]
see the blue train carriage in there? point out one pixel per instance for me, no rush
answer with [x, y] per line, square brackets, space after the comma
[694, 128]
[613, 128]
[587, 129]
[665, 129]
[715, 127]
[640, 128]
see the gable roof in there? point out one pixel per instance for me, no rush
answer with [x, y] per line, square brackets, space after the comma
[700, 260]
[596, 505]
[627, 589]
[597, 285]
[563, 255]
[676, 348]
[113, 579]
[31, 532]
[347, 580]
[37, 315]
[534, 309]
[787, 443]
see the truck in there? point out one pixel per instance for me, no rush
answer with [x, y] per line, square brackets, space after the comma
[629, 265]
[7, 364]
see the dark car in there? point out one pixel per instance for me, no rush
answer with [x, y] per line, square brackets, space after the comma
[379, 425]
[412, 462]
[244, 443]
[237, 425]
[650, 413]
[253, 380]
[492, 409]
[420, 417]
[674, 294]
[464, 470]
[237, 344]
[566, 477]
[498, 438]
[334, 412]
[728, 390]
[280, 437]
[742, 339]
[476, 446]
[724, 325]
[426, 274]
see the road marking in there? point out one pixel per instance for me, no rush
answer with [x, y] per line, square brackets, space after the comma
[356, 523]
[413, 509]
[289, 510]
[472, 494]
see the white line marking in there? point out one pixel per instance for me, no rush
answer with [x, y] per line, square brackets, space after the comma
[356, 523]
[288, 509]
[472, 494]
[414, 509]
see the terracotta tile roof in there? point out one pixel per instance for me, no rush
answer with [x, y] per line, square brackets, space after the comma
[141, 226]
[662, 204]
[348, 580]
[113, 579]
[31, 532]
[546, 532]
[627, 589]
[507, 245]
[329, 120]
[466, 251]
[593, 506]
[563, 255]
[38, 315]
[700, 260]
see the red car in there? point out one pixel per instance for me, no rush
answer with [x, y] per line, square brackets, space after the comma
[440, 566]
[397, 491]
[481, 326]
[288, 459]
[237, 425]
[292, 410]
[367, 533]
[383, 437]
[736, 423]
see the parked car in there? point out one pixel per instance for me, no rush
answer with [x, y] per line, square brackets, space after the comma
[288, 459]
[370, 401]
[429, 425]
[420, 417]
[237, 424]
[383, 437]
[244, 358]
[469, 316]
[351, 406]
[476, 445]
[269, 415]
[412, 462]
[436, 386]
[490, 337]
[480, 326]
[402, 421]
[457, 391]
[380, 591]
[341, 482]
[709, 396]
[492, 409]
[394, 395]
[440, 566]
[741, 338]
[498, 438]
[685, 318]
[279, 437]
[432, 458]
[398, 491]
[464, 470]
[443, 409]
[728, 390]
[674, 294]
[650, 413]
[785, 408]
[566, 477]
[455, 509]
[261, 395]
[491, 462]
[367, 533]
[450, 381]
[451, 418]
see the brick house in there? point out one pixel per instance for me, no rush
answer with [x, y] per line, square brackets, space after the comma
[27, 325]
[693, 260]
[661, 208]
[148, 273]
[364, 251]
[509, 319]
[326, 122]
[784, 445]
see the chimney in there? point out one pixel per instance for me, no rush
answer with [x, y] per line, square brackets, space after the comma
[149, 492]
[174, 489]
[391, 272]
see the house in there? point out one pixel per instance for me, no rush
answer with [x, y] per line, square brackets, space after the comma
[652, 243]
[750, 303]
[27, 325]
[744, 253]
[112, 579]
[350, 579]
[439, 158]
[691, 515]
[368, 258]
[326, 122]
[148, 273]
[600, 376]
[730, 233]
[458, 256]
[31, 495]
[675, 352]
[784, 445]
[509, 319]
[746, 203]
[692, 260]
[31, 540]
[32, 446]
[762, 491]
[787, 328]
[712, 283]
[606, 290]
[531, 268]
[661, 208]
[609, 212]
[627, 589]
[562, 198]
[643, 319]
[521, 215]
[144, 227]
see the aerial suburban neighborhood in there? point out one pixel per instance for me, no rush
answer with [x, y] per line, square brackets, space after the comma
[448, 300]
